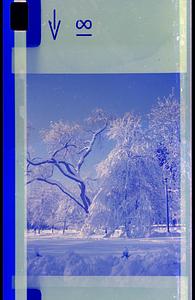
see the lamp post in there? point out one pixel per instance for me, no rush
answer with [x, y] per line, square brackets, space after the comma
[163, 155]
[167, 204]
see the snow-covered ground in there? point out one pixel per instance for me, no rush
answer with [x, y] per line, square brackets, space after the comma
[69, 256]
[157, 231]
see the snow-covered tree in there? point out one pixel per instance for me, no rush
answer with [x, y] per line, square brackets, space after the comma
[129, 182]
[69, 215]
[69, 146]
[164, 131]
[42, 206]
[135, 186]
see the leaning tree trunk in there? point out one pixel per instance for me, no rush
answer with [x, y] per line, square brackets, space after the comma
[64, 227]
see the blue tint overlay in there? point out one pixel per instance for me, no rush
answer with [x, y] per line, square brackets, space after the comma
[34, 23]
[8, 157]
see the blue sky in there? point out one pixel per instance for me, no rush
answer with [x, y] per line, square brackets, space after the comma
[73, 97]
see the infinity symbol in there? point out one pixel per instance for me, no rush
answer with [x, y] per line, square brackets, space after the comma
[87, 24]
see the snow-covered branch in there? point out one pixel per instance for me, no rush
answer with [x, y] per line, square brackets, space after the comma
[87, 150]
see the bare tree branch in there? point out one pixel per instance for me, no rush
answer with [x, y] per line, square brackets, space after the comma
[66, 146]
[82, 186]
[59, 186]
[44, 162]
[70, 175]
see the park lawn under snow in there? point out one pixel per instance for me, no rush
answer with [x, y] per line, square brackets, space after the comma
[103, 257]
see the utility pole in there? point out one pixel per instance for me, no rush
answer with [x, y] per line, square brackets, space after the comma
[162, 155]
[167, 204]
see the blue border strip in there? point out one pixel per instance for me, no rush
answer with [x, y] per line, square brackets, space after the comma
[8, 157]
[34, 26]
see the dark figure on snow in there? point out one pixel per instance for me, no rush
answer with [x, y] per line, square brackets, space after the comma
[37, 254]
[125, 253]
[174, 221]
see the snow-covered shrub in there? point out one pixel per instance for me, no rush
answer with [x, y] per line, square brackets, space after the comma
[151, 263]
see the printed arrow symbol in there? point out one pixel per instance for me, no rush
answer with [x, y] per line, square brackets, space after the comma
[52, 25]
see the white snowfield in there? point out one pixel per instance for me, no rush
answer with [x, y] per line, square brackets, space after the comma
[103, 257]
